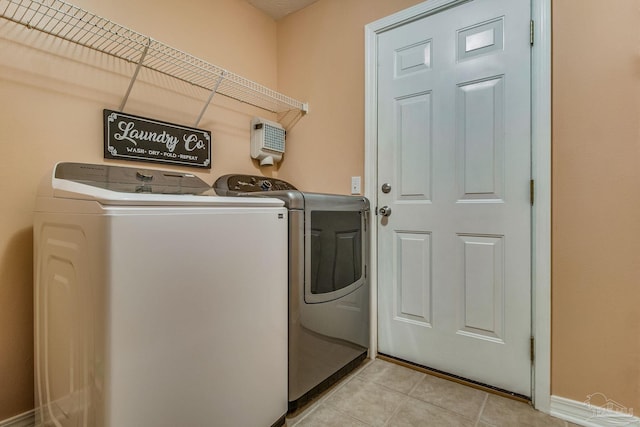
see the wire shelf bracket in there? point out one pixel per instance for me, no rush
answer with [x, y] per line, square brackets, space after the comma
[73, 24]
[213, 92]
[135, 76]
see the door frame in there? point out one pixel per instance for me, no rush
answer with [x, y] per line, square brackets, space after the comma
[540, 172]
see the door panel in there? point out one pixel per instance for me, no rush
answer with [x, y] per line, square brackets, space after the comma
[454, 146]
[413, 292]
[414, 146]
[480, 138]
[483, 303]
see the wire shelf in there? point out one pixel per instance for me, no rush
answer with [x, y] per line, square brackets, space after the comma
[73, 24]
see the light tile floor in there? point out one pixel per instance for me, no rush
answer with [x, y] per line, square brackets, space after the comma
[381, 393]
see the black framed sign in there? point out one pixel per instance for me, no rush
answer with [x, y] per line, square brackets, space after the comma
[129, 137]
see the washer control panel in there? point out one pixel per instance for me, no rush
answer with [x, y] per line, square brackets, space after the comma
[125, 179]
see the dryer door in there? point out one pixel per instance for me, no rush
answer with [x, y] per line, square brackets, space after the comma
[335, 246]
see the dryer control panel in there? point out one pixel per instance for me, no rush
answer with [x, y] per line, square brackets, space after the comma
[249, 184]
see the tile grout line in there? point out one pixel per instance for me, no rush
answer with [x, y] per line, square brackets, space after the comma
[484, 403]
[344, 414]
[406, 395]
[415, 386]
[385, 386]
[375, 376]
[353, 376]
[425, 375]
[373, 381]
[395, 412]
[445, 408]
[313, 406]
[452, 378]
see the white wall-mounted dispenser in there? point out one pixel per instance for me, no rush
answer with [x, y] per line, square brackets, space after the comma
[267, 141]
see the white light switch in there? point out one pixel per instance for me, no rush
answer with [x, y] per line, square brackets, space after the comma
[355, 185]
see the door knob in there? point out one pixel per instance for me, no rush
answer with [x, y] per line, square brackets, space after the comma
[386, 188]
[385, 211]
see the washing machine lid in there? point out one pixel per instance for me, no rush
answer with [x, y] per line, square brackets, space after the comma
[120, 185]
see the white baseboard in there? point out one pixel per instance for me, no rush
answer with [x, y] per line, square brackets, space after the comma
[28, 419]
[584, 414]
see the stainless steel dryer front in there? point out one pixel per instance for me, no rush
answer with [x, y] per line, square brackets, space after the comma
[328, 283]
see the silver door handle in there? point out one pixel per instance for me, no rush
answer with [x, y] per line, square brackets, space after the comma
[385, 211]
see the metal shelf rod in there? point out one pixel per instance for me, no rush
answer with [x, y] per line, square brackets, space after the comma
[213, 92]
[135, 76]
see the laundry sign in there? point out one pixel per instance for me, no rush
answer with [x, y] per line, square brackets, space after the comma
[129, 137]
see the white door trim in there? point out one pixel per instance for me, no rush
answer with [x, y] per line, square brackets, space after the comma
[541, 173]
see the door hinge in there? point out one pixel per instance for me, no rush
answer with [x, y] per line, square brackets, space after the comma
[532, 348]
[531, 32]
[532, 191]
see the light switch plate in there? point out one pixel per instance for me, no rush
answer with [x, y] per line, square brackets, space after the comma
[355, 185]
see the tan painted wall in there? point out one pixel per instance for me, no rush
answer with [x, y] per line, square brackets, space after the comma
[596, 200]
[51, 101]
[321, 60]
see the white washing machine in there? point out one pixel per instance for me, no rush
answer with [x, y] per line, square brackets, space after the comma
[157, 303]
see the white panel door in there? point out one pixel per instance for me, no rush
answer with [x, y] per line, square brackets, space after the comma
[454, 148]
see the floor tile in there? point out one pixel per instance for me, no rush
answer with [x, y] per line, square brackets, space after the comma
[390, 375]
[416, 413]
[317, 400]
[325, 416]
[500, 411]
[368, 402]
[450, 395]
[380, 393]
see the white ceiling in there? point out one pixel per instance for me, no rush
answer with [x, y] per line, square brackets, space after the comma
[279, 8]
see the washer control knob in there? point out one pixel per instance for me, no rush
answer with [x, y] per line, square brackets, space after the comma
[265, 185]
[144, 176]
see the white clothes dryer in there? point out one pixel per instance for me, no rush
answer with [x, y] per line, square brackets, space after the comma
[157, 303]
